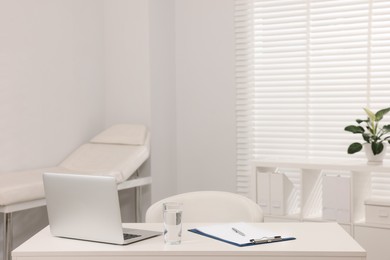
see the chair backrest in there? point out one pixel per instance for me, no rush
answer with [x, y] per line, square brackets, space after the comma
[210, 206]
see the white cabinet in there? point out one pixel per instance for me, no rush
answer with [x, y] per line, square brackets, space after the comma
[322, 191]
[377, 212]
[375, 240]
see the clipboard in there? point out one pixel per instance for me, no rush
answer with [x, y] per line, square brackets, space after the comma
[231, 234]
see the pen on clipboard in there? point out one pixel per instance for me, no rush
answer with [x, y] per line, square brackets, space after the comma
[238, 231]
[266, 240]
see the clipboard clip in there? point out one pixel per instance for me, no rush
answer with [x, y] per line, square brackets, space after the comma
[266, 240]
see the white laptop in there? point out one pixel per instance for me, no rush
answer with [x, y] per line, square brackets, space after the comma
[87, 207]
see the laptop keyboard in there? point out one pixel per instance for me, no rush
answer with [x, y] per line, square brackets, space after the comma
[129, 236]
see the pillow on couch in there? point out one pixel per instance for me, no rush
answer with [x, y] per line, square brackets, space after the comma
[130, 134]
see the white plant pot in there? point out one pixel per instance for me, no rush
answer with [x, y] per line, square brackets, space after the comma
[374, 159]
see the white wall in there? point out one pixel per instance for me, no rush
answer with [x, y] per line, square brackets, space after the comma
[193, 96]
[205, 95]
[163, 98]
[51, 86]
[126, 62]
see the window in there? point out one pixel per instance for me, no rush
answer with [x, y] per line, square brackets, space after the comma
[304, 70]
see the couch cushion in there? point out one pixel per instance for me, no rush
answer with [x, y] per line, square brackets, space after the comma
[120, 161]
[21, 186]
[122, 134]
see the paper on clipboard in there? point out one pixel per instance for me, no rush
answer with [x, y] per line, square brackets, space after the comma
[226, 233]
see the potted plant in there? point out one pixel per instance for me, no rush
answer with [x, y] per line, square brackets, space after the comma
[375, 136]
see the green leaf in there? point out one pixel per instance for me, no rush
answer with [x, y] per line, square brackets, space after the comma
[354, 148]
[359, 121]
[366, 137]
[386, 128]
[354, 129]
[370, 114]
[377, 148]
[379, 115]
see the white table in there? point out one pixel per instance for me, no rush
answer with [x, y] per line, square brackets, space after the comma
[321, 241]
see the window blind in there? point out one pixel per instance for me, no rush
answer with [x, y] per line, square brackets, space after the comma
[379, 92]
[304, 70]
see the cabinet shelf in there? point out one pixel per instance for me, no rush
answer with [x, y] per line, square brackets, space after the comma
[312, 190]
[323, 191]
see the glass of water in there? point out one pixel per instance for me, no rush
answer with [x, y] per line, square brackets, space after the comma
[172, 222]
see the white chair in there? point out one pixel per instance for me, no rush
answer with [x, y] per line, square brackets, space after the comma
[210, 206]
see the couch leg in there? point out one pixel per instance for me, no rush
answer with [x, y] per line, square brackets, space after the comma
[7, 236]
[137, 201]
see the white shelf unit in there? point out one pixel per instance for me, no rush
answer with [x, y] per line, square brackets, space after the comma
[304, 202]
[312, 190]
